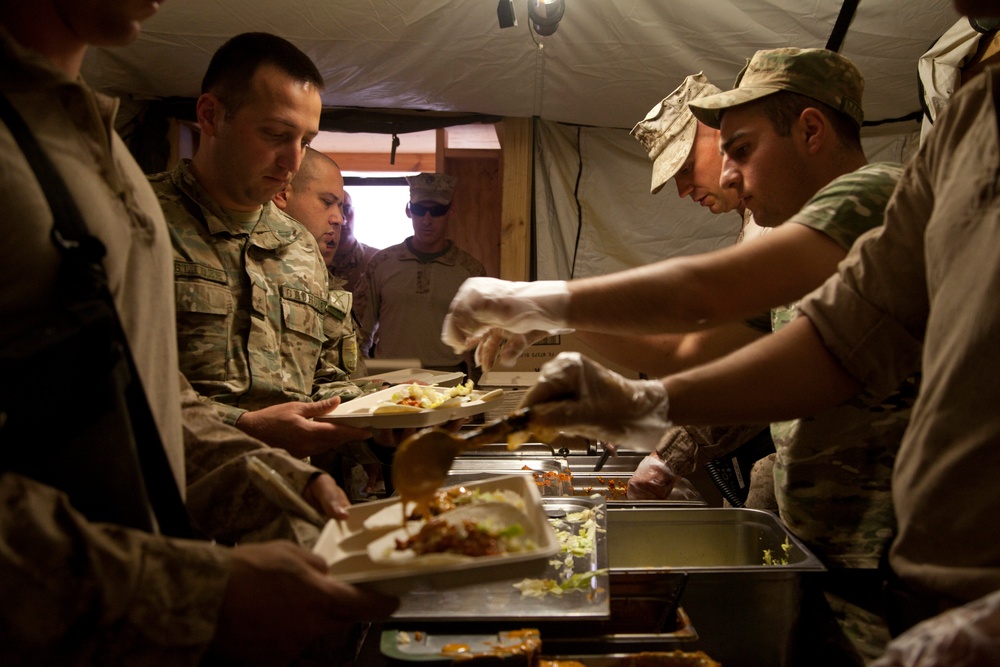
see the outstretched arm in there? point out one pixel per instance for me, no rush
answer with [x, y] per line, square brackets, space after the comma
[678, 295]
[702, 291]
[786, 375]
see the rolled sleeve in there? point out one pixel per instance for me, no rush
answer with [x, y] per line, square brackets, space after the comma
[222, 501]
[876, 350]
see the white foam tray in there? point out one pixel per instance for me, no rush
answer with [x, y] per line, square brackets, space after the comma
[358, 412]
[344, 546]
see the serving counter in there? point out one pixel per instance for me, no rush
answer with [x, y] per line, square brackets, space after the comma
[674, 575]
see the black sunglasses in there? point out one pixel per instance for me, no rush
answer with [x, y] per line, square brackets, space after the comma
[437, 210]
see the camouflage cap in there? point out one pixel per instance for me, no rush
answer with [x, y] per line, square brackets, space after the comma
[667, 133]
[431, 187]
[821, 74]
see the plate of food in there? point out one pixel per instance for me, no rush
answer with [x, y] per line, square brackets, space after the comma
[413, 405]
[506, 536]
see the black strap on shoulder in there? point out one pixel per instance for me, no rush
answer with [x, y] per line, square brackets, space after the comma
[85, 278]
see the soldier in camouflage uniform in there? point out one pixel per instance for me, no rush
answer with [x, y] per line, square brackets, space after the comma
[257, 330]
[793, 153]
[847, 454]
[316, 199]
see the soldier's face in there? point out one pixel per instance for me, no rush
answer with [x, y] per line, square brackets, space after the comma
[430, 232]
[698, 177]
[318, 206]
[260, 147]
[766, 170]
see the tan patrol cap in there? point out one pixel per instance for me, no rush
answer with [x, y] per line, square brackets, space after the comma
[431, 187]
[668, 131]
[821, 74]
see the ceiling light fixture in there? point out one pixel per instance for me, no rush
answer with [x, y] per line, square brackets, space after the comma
[545, 15]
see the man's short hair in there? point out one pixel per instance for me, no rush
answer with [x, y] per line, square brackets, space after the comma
[783, 108]
[234, 64]
[309, 167]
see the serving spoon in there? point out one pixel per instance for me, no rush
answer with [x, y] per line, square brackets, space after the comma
[421, 463]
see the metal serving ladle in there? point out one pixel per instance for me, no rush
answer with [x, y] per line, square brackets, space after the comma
[421, 463]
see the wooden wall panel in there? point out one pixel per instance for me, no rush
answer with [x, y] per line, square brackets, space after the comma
[475, 221]
[515, 232]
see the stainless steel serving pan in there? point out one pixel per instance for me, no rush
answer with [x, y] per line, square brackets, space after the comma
[744, 610]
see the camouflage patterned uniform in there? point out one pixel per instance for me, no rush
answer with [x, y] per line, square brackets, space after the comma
[351, 269]
[256, 322]
[844, 453]
[832, 470]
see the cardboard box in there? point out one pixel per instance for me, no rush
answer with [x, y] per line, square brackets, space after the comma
[546, 349]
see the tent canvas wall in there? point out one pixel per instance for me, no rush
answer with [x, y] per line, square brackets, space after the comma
[585, 86]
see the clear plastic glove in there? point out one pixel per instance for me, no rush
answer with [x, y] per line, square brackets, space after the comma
[652, 480]
[684, 490]
[577, 396]
[519, 307]
[504, 346]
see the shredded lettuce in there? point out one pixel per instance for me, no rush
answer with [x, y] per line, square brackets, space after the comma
[430, 396]
[542, 587]
[577, 533]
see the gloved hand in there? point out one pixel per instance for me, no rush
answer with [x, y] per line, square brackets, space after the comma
[504, 346]
[518, 307]
[684, 490]
[575, 395]
[652, 480]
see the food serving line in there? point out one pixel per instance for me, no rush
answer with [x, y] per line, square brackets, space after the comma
[637, 576]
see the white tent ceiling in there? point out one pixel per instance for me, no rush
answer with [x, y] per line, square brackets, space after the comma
[606, 65]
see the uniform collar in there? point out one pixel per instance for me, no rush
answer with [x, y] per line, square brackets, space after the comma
[273, 230]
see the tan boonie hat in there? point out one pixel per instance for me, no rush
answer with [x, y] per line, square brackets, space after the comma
[668, 131]
[431, 187]
[821, 74]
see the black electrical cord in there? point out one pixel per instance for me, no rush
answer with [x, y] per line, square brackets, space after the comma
[579, 205]
[715, 474]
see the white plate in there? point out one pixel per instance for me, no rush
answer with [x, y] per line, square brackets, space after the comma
[345, 547]
[358, 412]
